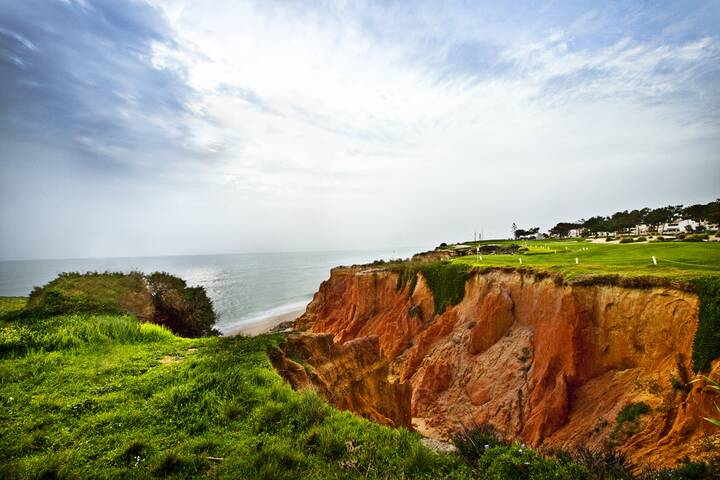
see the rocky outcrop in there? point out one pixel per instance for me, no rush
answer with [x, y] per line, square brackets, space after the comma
[352, 376]
[546, 362]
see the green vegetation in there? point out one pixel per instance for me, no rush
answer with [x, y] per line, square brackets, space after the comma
[632, 412]
[91, 292]
[99, 396]
[446, 280]
[653, 218]
[706, 345]
[185, 310]
[12, 304]
[159, 298]
[676, 260]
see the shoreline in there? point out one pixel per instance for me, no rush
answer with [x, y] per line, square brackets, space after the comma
[262, 326]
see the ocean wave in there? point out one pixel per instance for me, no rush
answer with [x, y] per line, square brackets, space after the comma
[259, 317]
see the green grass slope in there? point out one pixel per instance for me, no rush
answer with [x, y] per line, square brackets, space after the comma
[104, 396]
[677, 260]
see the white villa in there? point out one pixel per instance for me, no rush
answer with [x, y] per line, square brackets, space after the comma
[678, 226]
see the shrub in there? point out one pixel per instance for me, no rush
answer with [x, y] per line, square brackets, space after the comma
[609, 239]
[159, 298]
[631, 412]
[694, 238]
[601, 464]
[474, 441]
[187, 311]
[706, 345]
[641, 239]
[626, 240]
[686, 471]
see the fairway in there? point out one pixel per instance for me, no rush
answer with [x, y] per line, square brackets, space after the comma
[680, 260]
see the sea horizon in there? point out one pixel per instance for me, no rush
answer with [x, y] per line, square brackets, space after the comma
[246, 288]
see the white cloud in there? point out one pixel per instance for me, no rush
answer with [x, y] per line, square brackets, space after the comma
[347, 124]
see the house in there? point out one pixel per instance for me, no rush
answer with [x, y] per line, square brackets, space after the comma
[678, 226]
[710, 226]
[642, 229]
[576, 233]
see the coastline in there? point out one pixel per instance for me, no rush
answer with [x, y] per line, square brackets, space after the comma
[262, 326]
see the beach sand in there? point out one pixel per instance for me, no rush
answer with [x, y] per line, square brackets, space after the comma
[262, 326]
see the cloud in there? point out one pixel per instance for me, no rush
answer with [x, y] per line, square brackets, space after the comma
[81, 74]
[349, 124]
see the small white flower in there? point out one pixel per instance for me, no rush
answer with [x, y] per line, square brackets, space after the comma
[487, 446]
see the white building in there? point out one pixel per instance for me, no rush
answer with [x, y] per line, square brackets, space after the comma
[642, 229]
[678, 226]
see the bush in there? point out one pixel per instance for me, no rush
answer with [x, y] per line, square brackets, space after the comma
[159, 298]
[686, 471]
[626, 240]
[706, 345]
[631, 412]
[609, 239]
[695, 238]
[601, 464]
[187, 311]
[474, 441]
[641, 239]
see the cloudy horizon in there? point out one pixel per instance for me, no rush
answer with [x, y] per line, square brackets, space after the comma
[164, 127]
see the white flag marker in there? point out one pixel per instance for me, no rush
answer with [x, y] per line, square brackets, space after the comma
[521, 261]
[577, 260]
[654, 260]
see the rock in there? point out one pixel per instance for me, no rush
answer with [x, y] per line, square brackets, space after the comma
[546, 363]
[438, 445]
[352, 376]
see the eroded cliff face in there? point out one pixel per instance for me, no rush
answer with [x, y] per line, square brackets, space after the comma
[548, 363]
[352, 376]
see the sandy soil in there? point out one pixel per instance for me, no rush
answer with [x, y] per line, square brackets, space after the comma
[256, 328]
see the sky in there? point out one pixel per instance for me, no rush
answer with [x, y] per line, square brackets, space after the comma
[166, 127]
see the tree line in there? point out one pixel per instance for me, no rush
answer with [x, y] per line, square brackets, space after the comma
[653, 217]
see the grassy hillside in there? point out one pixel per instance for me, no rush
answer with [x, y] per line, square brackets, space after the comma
[103, 395]
[677, 260]
[98, 396]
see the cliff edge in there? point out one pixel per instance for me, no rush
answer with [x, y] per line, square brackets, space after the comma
[552, 364]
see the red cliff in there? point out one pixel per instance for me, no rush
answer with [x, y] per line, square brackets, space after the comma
[549, 363]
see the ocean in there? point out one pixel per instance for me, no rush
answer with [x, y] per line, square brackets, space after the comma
[245, 288]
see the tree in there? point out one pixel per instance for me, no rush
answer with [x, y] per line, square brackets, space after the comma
[597, 224]
[520, 232]
[563, 228]
[661, 215]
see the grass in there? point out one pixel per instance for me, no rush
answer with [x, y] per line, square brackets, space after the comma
[90, 292]
[706, 345]
[104, 396]
[676, 260]
[446, 280]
